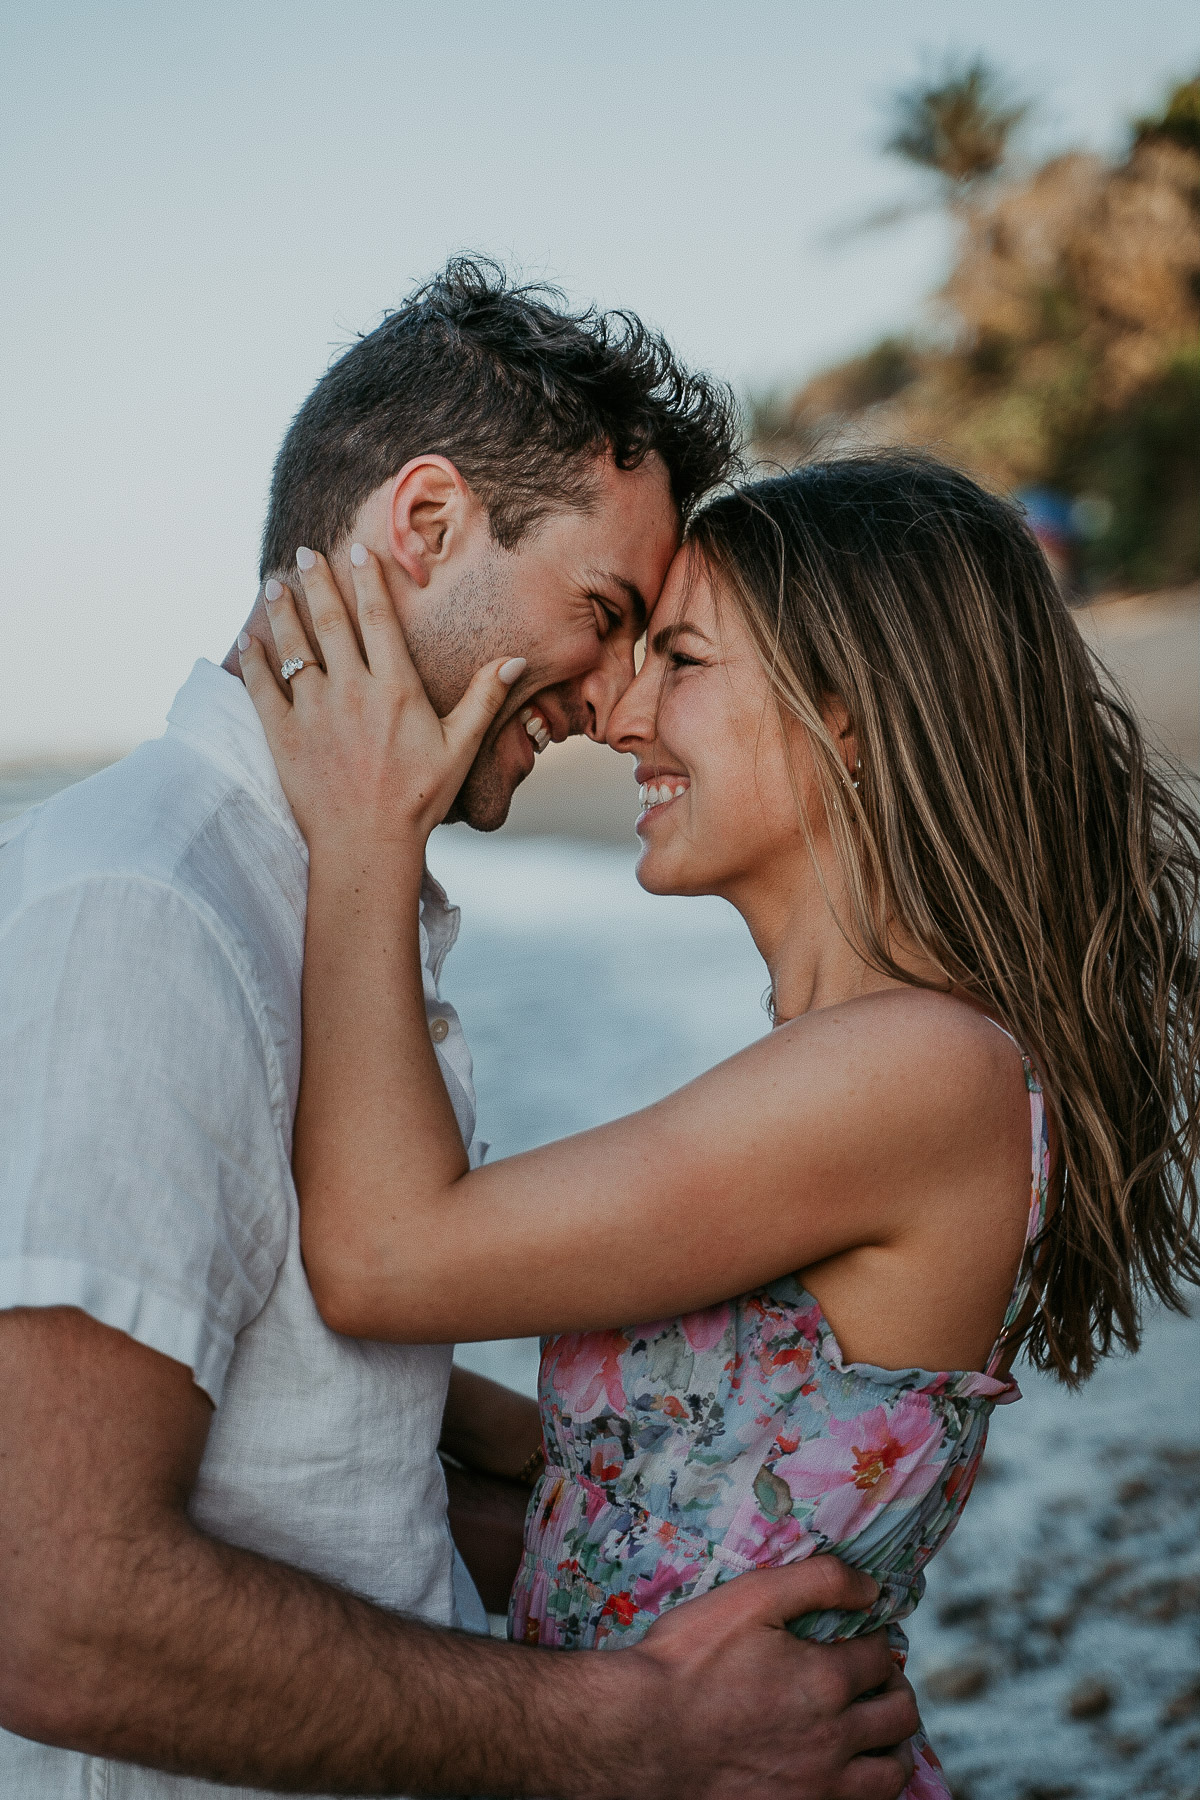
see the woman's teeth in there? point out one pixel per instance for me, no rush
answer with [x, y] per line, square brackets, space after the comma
[536, 726]
[654, 793]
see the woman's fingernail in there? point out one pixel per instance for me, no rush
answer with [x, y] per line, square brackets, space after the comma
[358, 555]
[243, 640]
[273, 589]
[508, 672]
[304, 558]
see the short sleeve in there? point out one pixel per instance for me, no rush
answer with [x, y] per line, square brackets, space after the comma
[143, 1168]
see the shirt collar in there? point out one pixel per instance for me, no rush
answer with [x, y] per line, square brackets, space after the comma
[215, 714]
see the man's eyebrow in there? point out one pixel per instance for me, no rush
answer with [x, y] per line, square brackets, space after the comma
[662, 640]
[639, 611]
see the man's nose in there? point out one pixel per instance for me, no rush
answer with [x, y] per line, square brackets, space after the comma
[602, 690]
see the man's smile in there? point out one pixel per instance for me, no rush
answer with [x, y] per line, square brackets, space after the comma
[536, 727]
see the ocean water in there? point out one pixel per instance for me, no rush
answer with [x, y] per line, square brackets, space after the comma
[1057, 1652]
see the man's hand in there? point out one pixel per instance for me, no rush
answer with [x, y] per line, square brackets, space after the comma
[780, 1716]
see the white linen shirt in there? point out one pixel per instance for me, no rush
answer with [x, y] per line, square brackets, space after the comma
[151, 938]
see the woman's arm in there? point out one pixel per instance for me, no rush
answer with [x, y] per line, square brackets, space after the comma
[837, 1132]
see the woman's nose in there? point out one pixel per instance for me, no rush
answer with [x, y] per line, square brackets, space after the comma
[631, 722]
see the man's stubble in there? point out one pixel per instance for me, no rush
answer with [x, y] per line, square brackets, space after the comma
[475, 623]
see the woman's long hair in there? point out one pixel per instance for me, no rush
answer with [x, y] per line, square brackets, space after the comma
[1010, 819]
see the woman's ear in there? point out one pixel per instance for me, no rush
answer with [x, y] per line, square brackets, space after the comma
[430, 512]
[837, 720]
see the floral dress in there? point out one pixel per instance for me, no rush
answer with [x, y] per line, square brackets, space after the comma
[684, 1452]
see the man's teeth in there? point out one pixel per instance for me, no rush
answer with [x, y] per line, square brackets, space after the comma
[654, 793]
[536, 726]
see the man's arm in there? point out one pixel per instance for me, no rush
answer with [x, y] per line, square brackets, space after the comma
[489, 1433]
[130, 1634]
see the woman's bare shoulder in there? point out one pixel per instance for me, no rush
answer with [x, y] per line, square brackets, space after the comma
[937, 1134]
[911, 1069]
[918, 1033]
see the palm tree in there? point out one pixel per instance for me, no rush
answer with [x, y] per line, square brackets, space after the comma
[958, 129]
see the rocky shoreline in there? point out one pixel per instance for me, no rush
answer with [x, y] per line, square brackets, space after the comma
[1057, 1652]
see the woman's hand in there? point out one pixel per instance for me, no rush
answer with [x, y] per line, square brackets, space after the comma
[361, 753]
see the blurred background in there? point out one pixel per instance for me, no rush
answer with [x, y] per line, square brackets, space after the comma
[974, 228]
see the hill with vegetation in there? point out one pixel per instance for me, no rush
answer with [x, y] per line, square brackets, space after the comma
[1063, 352]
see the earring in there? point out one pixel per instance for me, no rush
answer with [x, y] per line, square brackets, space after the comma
[855, 780]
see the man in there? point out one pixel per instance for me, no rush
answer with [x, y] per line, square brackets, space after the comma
[226, 1554]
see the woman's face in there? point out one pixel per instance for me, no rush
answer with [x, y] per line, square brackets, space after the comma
[719, 811]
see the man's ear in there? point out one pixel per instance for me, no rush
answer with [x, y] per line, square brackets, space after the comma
[430, 513]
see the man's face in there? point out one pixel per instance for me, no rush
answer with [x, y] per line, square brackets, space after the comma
[573, 599]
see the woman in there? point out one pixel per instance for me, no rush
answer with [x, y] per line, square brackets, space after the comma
[866, 719]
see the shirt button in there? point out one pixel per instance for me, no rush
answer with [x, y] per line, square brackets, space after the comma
[439, 1030]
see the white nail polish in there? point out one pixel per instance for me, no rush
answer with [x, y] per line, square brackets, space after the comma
[243, 640]
[509, 671]
[305, 559]
[273, 589]
[358, 555]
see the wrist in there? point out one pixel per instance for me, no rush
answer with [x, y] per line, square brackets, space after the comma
[361, 877]
[357, 844]
[630, 1704]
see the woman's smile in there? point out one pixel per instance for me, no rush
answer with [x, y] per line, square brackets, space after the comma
[657, 788]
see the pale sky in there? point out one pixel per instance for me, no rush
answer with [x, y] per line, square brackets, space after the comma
[201, 203]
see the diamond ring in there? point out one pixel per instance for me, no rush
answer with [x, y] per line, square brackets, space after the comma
[291, 667]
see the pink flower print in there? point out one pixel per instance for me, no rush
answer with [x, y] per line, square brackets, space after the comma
[595, 1502]
[808, 1322]
[705, 1329]
[584, 1369]
[650, 1591]
[926, 1781]
[764, 1541]
[872, 1460]
[529, 1608]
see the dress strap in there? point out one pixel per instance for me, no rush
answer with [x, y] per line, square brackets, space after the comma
[1038, 1200]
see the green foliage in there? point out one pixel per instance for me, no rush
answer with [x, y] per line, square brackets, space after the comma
[1179, 121]
[1066, 352]
[1145, 462]
[883, 372]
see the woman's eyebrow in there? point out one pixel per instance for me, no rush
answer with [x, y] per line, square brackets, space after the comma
[662, 640]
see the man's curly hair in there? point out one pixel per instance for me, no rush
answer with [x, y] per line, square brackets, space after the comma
[518, 392]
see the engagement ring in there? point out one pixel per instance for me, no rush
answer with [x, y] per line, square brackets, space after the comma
[291, 667]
